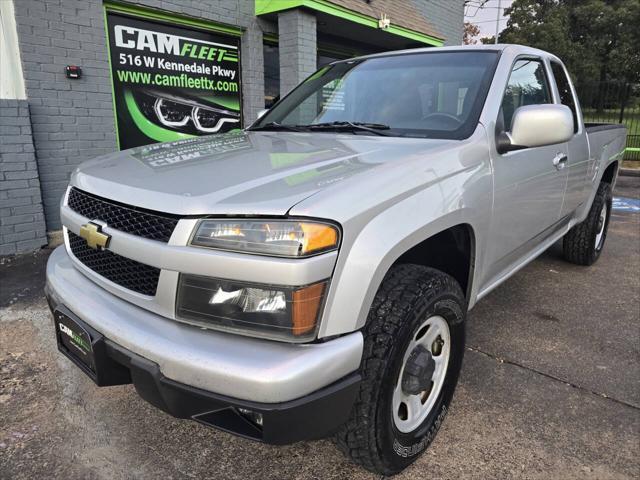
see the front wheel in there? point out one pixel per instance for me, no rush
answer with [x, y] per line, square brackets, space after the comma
[414, 344]
[584, 242]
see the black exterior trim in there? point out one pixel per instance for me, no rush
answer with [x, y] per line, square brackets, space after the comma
[598, 127]
[126, 218]
[123, 271]
[316, 415]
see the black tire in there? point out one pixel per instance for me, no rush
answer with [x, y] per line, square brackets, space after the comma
[579, 244]
[409, 295]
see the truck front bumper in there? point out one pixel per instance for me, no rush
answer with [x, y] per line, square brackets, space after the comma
[270, 391]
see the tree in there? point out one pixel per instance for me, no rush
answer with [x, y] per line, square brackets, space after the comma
[471, 31]
[541, 24]
[597, 39]
[611, 36]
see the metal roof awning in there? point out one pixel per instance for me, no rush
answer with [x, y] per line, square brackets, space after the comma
[405, 21]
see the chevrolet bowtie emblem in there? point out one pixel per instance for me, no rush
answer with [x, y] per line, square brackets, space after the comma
[91, 232]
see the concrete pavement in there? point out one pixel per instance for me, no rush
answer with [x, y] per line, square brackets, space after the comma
[550, 388]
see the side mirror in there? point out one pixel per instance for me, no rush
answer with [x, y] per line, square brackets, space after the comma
[261, 113]
[536, 126]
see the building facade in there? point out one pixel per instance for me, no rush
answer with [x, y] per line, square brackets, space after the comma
[83, 78]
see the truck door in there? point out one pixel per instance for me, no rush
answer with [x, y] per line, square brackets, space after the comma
[578, 152]
[529, 184]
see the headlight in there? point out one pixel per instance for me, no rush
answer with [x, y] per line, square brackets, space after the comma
[185, 115]
[282, 238]
[283, 313]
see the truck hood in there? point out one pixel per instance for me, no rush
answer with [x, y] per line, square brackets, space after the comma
[240, 173]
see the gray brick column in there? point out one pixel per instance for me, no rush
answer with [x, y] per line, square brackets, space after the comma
[21, 219]
[72, 120]
[298, 47]
[252, 63]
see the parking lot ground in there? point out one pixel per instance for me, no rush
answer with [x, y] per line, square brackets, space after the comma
[550, 388]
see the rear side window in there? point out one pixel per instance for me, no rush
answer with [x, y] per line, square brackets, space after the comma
[564, 88]
[528, 85]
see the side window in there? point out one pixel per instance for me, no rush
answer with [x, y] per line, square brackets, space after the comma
[564, 88]
[527, 85]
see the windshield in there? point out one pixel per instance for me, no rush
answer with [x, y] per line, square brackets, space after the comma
[435, 95]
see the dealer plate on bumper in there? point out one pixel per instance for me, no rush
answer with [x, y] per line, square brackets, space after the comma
[75, 342]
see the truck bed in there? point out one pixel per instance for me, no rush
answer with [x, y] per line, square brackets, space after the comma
[606, 140]
[592, 127]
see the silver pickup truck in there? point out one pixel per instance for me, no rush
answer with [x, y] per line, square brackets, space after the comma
[310, 276]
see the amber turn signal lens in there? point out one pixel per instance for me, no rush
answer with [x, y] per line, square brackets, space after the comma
[281, 238]
[269, 311]
[318, 236]
[306, 307]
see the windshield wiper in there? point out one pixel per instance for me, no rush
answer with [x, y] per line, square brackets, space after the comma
[376, 128]
[278, 126]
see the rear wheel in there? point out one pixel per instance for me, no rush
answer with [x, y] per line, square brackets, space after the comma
[414, 344]
[584, 242]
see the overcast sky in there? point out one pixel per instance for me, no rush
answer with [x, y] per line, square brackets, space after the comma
[485, 18]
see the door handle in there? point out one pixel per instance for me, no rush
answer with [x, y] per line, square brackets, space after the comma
[560, 161]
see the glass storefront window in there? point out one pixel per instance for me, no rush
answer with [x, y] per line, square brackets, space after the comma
[272, 70]
[327, 58]
[271, 74]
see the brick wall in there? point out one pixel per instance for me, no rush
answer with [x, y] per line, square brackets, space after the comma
[21, 219]
[446, 16]
[252, 60]
[73, 120]
[298, 46]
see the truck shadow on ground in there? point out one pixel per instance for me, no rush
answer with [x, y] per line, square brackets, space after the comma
[548, 390]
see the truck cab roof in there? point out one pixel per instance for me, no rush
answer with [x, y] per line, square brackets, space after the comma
[501, 47]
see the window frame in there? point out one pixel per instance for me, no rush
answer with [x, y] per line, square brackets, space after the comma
[552, 89]
[577, 124]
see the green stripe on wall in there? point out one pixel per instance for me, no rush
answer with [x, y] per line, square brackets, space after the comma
[173, 18]
[271, 6]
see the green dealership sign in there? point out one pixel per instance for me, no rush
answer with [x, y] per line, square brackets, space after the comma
[170, 81]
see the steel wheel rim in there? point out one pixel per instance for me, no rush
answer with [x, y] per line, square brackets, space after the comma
[602, 220]
[417, 407]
